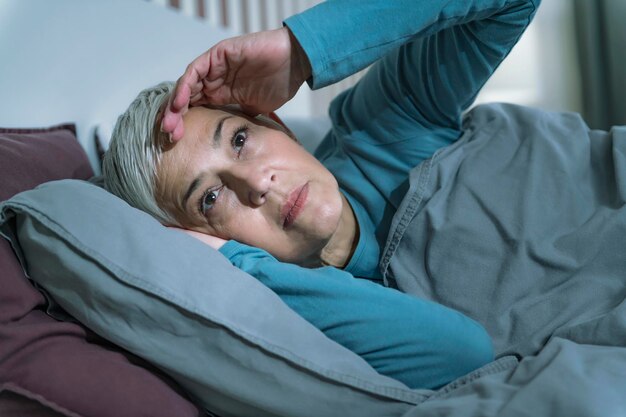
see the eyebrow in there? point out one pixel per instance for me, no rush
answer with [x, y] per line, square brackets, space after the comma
[217, 135]
[217, 139]
[192, 187]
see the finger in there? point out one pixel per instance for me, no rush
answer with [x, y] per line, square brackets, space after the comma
[169, 121]
[181, 96]
[178, 132]
[190, 82]
[218, 61]
[196, 99]
[172, 113]
[217, 97]
[171, 118]
[216, 92]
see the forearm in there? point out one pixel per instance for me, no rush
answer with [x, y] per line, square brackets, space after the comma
[342, 37]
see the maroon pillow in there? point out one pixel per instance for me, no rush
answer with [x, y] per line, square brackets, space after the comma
[63, 366]
[15, 401]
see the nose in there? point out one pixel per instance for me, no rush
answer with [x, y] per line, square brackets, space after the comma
[252, 182]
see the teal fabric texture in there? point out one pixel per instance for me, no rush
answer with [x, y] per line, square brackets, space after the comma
[430, 59]
[418, 342]
[163, 295]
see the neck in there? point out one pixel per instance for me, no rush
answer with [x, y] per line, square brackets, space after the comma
[341, 245]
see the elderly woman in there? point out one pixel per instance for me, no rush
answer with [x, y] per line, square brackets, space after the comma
[313, 228]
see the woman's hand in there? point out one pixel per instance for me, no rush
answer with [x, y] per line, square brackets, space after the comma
[259, 71]
[212, 241]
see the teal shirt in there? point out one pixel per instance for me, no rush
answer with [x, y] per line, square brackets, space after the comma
[430, 59]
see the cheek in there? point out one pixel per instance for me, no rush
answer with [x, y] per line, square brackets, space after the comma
[243, 224]
[226, 220]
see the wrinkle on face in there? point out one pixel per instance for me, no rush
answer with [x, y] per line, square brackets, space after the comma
[171, 172]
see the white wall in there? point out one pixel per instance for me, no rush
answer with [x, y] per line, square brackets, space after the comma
[542, 70]
[84, 61]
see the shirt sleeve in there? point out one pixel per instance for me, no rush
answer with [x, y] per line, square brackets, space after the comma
[420, 343]
[447, 48]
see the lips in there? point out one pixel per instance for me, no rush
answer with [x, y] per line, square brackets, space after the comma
[294, 205]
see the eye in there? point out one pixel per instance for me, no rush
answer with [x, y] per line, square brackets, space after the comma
[239, 139]
[207, 200]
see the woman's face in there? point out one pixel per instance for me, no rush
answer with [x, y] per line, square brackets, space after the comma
[239, 178]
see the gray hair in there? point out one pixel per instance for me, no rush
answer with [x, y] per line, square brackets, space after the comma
[130, 163]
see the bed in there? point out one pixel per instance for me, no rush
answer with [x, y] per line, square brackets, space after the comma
[89, 308]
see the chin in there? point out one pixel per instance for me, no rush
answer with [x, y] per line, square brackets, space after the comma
[326, 216]
[324, 222]
[306, 247]
[313, 231]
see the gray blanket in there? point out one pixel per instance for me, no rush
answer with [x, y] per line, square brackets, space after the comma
[521, 225]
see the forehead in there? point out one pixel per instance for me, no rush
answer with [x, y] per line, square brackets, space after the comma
[200, 123]
[180, 162]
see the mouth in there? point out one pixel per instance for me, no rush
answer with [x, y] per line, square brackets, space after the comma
[294, 205]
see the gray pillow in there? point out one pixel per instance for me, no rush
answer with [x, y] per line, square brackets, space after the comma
[227, 339]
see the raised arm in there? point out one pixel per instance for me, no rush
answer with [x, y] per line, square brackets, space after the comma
[437, 53]
[431, 58]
